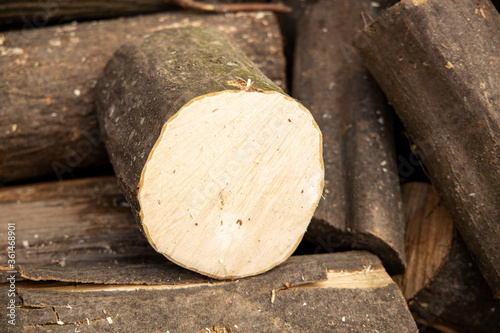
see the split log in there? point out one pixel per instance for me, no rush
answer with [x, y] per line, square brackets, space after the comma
[85, 220]
[46, 104]
[442, 284]
[362, 200]
[438, 63]
[222, 170]
[315, 293]
[36, 14]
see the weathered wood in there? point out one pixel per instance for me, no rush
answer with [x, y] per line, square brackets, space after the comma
[222, 170]
[46, 104]
[85, 220]
[442, 283]
[362, 203]
[319, 293]
[36, 14]
[438, 63]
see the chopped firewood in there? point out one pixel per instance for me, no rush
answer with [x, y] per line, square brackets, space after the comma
[35, 14]
[442, 284]
[48, 122]
[200, 139]
[70, 222]
[331, 292]
[438, 63]
[362, 201]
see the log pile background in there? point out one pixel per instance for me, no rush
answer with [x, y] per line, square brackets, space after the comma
[406, 237]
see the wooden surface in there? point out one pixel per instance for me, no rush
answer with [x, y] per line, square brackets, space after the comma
[62, 223]
[35, 14]
[437, 62]
[442, 284]
[361, 205]
[222, 170]
[48, 123]
[304, 294]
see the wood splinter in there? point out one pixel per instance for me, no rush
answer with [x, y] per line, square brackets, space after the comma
[245, 161]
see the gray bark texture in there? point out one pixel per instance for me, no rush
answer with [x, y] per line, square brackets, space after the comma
[289, 298]
[438, 63]
[146, 83]
[48, 123]
[362, 202]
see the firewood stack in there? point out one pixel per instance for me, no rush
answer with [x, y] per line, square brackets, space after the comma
[250, 166]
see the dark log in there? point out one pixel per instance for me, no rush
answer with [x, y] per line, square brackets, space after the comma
[438, 63]
[46, 104]
[362, 203]
[222, 170]
[37, 14]
[442, 284]
[86, 220]
[319, 293]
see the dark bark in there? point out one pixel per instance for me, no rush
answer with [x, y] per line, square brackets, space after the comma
[193, 63]
[362, 205]
[437, 62]
[37, 14]
[86, 220]
[139, 97]
[46, 103]
[300, 295]
[442, 283]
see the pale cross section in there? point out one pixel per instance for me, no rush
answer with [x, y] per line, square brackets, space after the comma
[363, 279]
[232, 183]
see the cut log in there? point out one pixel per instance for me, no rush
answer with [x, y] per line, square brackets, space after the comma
[48, 122]
[70, 222]
[438, 63]
[318, 293]
[442, 284]
[36, 14]
[362, 200]
[222, 170]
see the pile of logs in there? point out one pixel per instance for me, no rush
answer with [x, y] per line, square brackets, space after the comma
[236, 166]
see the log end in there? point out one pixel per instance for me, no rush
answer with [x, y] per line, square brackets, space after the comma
[232, 182]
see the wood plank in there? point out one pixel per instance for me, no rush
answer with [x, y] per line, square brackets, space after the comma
[293, 297]
[84, 220]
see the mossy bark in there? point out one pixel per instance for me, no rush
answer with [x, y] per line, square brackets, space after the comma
[49, 126]
[146, 83]
[437, 62]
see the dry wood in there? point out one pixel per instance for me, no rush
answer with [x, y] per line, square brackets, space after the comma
[223, 171]
[46, 104]
[319, 293]
[442, 284]
[438, 63]
[362, 203]
[36, 14]
[86, 220]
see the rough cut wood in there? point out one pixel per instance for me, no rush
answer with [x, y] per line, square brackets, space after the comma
[442, 284]
[85, 220]
[320, 293]
[438, 63]
[362, 202]
[222, 170]
[36, 14]
[46, 104]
